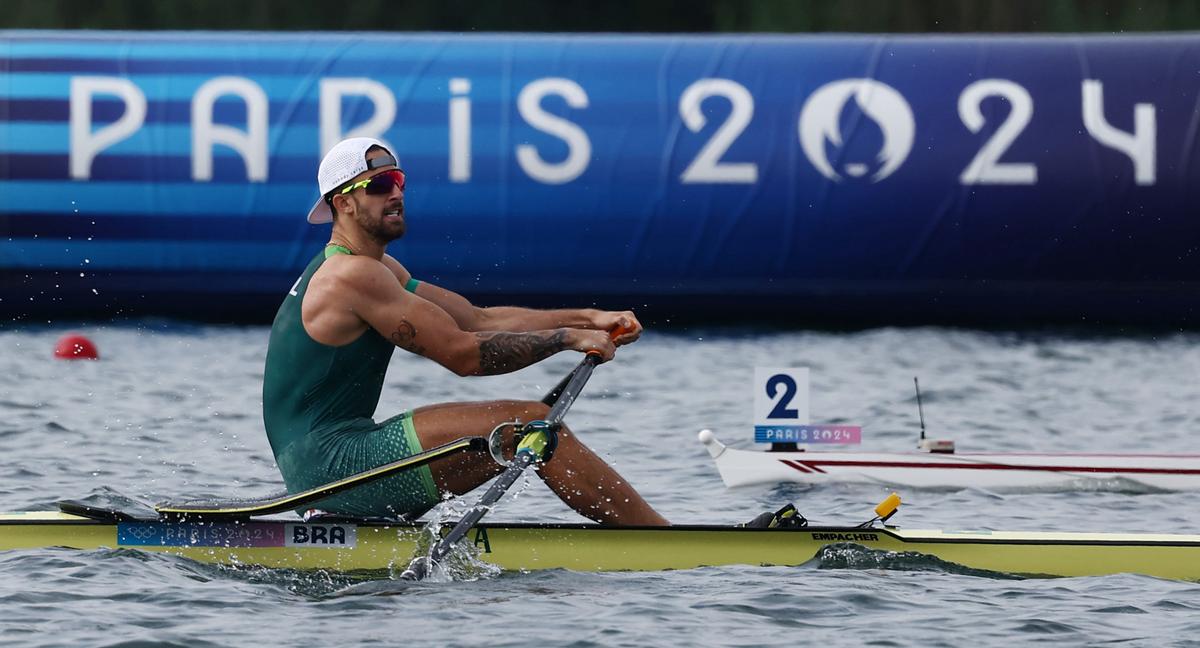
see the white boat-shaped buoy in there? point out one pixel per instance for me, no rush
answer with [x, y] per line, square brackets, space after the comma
[939, 467]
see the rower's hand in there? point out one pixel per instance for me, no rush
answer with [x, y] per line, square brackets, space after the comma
[597, 342]
[624, 321]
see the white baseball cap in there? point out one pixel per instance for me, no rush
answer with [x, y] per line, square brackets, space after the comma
[345, 160]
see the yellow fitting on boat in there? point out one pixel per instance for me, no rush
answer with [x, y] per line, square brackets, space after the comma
[888, 506]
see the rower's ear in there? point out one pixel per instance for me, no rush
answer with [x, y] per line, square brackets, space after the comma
[342, 204]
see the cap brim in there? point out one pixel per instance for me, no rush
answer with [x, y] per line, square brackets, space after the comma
[320, 212]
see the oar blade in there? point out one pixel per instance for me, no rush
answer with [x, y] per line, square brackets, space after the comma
[417, 570]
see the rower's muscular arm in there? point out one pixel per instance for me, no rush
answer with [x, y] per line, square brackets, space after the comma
[506, 318]
[423, 327]
[516, 319]
[501, 352]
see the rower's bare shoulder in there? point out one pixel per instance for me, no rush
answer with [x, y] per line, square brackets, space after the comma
[345, 280]
[341, 294]
[351, 271]
[396, 268]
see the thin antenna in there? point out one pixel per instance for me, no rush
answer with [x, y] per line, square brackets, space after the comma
[920, 412]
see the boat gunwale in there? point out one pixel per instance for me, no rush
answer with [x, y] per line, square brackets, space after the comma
[904, 536]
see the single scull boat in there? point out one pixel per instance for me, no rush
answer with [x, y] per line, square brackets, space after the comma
[366, 545]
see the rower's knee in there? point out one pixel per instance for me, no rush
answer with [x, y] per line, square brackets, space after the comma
[538, 411]
[520, 412]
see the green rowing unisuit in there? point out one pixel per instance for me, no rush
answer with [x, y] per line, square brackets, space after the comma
[318, 403]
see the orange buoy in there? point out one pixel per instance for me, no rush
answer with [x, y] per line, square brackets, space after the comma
[75, 347]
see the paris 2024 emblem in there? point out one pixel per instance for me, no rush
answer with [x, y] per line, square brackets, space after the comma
[821, 124]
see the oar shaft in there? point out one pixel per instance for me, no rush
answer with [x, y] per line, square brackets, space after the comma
[493, 495]
[552, 395]
[524, 457]
[572, 389]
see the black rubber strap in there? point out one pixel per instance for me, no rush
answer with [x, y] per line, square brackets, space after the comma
[381, 161]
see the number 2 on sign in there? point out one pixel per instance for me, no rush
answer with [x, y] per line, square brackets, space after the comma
[780, 395]
[781, 409]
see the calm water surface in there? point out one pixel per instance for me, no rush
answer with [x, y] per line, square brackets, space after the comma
[174, 409]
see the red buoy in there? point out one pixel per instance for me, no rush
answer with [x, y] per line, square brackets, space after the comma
[75, 347]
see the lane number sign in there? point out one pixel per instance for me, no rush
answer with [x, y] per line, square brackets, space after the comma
[781, 410]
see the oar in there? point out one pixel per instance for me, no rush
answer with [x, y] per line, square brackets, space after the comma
[552, 395]
[538, 441]
[218, 510]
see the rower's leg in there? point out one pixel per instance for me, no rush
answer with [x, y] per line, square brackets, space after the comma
[590, 486]
[580, 478]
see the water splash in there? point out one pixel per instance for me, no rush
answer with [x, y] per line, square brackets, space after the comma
[848, 555]
[463, 562]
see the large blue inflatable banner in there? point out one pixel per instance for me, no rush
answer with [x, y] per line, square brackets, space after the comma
[815, 178]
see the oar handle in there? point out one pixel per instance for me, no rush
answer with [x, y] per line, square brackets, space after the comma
[613, 334]
[552, 396]
[577, 379]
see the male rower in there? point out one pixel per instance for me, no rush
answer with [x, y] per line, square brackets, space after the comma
[332, 341]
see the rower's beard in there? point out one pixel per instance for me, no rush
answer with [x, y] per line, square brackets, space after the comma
[382, 231]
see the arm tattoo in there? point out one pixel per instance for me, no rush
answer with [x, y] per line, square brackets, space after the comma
[504, 352]
[405, 337]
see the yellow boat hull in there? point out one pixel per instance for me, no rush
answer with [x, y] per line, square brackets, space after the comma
[582, 547]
